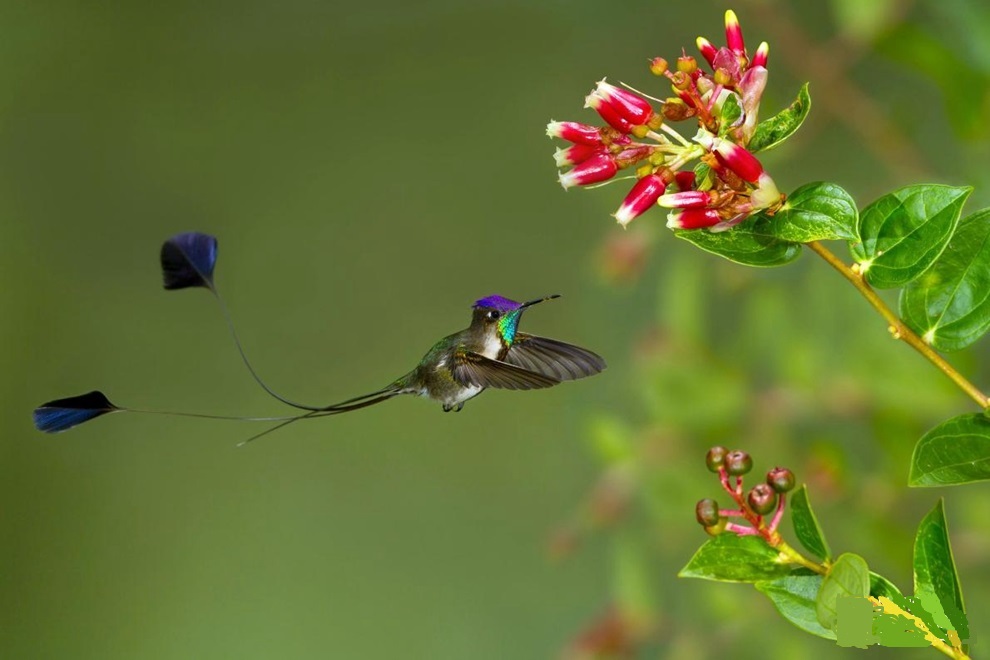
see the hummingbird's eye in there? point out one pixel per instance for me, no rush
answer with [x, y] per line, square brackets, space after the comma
[493, 315]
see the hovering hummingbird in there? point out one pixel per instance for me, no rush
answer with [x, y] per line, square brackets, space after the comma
[490, 353]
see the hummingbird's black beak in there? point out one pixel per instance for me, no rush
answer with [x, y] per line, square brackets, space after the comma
[538, 300]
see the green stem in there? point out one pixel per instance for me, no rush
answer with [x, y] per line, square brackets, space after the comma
[796, 557]
[897, 327]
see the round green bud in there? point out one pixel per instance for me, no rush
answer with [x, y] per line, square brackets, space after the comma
[781, 480]
[715, 458]
[738, 463]
[762, 499]
[706, 512]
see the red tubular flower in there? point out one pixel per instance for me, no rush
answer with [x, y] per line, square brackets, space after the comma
[608, 112]
[693, 219]
[629, 106]
[733, 33]
[761, 55]
[707, 50]
[573, 131]
[685, 180]
[730, 154]
[642, 196]
[688, 199]
[576, 153]
[594, 170]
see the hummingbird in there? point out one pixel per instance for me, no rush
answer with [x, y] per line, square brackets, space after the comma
[490, 353]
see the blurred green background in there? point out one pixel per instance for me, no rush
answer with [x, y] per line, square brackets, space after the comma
[371, 169]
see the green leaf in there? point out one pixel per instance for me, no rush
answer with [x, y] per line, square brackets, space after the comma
[731, 558]
[703, 176]
[816, 212]
[729, 113]
[848, 577]
[751, 243]
[806, 526]
[794, 596]
[957, 451]
[949, 306]
[771, 132]
[936, 582]
[904, 232]
[881, 586]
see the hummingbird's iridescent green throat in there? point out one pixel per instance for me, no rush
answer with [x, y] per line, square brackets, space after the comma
[489, 353]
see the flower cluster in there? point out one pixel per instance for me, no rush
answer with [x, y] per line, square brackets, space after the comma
[728, 187]
[764, 499]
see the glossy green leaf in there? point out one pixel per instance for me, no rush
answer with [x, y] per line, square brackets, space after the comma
[848, 577]
[881, 586]
[949, 306]
[795, 596]
[771, 132]
[730, 112]
[751, 243]
[806, 526]
[816, 212]
[904, 232]
[957, 451]
[936, 582]
[731, 558]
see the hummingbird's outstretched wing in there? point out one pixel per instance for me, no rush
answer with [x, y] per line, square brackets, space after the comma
[474, 369]
[553, 358]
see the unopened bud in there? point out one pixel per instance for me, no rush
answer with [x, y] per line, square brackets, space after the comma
[706, 512]
[738, 463]
[762, 499]
[658, 66]
[687, 64]
[715, 458]
[781, 480]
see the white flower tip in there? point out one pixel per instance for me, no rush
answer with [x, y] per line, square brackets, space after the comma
[624, 215]
[566, 182]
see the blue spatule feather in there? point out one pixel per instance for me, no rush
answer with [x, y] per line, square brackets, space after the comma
[62, 414]
[188, 260]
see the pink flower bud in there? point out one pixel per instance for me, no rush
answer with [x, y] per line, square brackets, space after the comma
[733, 33]
[685, 180]
[688, 199]
[608, 112]
[761, 55]
[642, 196]
[632, 108]
[594, 170]
[707, 50]
[576, 153]
[572, 131]
[693, 219]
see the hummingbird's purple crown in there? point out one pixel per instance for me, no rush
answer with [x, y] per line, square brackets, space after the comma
[497, 302]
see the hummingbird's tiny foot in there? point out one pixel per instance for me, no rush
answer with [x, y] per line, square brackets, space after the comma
[459, 407]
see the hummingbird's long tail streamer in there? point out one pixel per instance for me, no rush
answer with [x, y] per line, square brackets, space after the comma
[344, 406]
